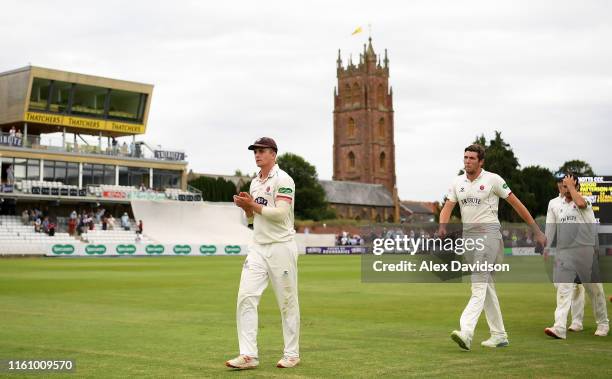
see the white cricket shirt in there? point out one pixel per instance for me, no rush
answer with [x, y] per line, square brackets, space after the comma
[278, 186]
[479, 199]
[551, 226]
[575, 227]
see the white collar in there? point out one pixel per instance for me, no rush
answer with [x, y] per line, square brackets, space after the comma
[272, 172]
[465, 178]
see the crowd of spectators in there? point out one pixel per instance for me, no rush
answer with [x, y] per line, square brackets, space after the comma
[346, 239]
[133, 149]
[87, 220]
[512, 236]
[517, 238]
[78, 222]
[15, 136]
[42, 221]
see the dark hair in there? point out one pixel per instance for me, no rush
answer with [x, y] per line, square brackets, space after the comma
[476, 148]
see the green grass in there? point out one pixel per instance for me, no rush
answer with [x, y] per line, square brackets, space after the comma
[175, 317]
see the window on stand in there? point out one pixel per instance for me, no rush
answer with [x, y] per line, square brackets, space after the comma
[126, 106]
[60, 96]
[88, 100]
[39, 94]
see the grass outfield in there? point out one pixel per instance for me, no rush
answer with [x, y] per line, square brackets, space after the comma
[175, 317]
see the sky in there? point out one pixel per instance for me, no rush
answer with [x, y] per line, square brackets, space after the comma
[226, 73]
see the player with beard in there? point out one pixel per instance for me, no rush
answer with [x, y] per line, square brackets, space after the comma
[478, 192]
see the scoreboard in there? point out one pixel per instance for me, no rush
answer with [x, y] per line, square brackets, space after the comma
[598, 190]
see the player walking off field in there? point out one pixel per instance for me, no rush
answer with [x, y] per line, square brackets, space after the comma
[271, 256]
[478, 192]
[576, 233]
[577, 303]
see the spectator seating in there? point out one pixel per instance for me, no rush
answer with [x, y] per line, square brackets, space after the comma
[12, 231]
[177, 194]
[36, 187]
[113, 236]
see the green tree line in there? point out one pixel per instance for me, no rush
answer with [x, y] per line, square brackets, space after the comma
[213, 189]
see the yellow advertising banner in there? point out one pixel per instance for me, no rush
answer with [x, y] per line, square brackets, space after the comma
[84, 123]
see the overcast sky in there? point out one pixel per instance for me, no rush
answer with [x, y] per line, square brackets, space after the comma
[226, 73]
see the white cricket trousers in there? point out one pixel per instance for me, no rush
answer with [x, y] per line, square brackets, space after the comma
[484, 295]
[578, 304]
[565, 295]
[276, 262]
[570, 262]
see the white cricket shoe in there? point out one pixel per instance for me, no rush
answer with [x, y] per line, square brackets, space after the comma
[575, 328]
[496, 341]
[243, 362]
[288, 362]
[555, 333]
[602, 330]
[462, 339]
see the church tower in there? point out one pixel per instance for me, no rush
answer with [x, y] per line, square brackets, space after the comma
[364, 148]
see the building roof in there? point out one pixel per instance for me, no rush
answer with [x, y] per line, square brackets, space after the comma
[78, 75]
[419, 207]
[353, 193]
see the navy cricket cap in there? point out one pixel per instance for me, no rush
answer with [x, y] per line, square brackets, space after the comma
[559, 176]
[264, 142]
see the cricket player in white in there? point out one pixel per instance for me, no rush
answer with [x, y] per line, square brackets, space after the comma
[575, 255]
[577, 304]
[478, 193]
[272, 256]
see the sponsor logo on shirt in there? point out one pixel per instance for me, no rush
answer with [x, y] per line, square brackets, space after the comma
[285, 190]
[568, 219]
[261, 201]
[505, 186]
[470, 202]
[462, 189]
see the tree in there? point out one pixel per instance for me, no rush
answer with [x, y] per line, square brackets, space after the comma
[213, 189]
[541, 183]
[246, 186]
[578, 167]
[310, 196]
[500, 159]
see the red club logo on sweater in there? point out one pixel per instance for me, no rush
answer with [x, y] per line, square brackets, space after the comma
[482, 188]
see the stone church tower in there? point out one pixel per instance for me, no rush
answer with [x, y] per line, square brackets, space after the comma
[364, 149]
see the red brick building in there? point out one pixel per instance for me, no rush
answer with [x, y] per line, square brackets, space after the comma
[364, 149]
[363, 185]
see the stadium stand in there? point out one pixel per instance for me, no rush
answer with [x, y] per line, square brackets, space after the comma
[114, 236]
[17, 238]
[35, 187]
[193, 222]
